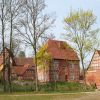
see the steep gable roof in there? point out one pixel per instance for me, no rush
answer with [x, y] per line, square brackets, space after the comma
[98, 51]
[60, 50]
[19, 70]
[21, 65]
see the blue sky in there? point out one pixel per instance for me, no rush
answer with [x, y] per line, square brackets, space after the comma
[63, 7]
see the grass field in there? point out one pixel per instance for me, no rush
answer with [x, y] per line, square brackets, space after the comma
[52, 96]
[41, 96]
[63, 91]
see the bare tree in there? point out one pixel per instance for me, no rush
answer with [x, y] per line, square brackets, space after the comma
[3, 13]
[13, 8]
[33, 25]
[9, 13]
[46, 37]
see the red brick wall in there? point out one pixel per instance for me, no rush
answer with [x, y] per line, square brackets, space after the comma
[74, 71]
[93, 78]
[62, 71]
[28, 75]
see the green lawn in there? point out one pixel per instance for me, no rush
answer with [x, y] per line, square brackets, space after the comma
[63, 91]
[41, 96]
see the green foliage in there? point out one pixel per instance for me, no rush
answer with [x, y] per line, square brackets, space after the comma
[43, 58]
[21, 54]
[65, 45]
[79, 29]
[20, 88]
[80, 32]
[50, 87]
[31, 96]
[23, 88]
[64, 87]
[81, 20]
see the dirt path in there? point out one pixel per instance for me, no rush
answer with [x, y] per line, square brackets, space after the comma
[90, 96]
[54, 96]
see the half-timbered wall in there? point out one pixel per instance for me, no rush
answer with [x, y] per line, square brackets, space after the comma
[95, 63]
[93, 72]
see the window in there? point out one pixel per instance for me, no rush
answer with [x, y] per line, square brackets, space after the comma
[56, 64]
[71, 77]
[54, 75]
[72, 71]
[41, 77]
[72, 66]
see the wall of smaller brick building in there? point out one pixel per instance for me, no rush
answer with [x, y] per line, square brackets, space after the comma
[43, 75]
[28, 75]
[90, 77]
[93, 78]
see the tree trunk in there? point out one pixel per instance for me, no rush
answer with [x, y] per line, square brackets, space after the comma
[82, 62]
[35, 52]
[3, 46]
[10, 50]
[36, 75]
[4, 80]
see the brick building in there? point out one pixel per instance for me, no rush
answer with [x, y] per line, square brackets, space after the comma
[64, 65]
[21, 68]
[93, 71]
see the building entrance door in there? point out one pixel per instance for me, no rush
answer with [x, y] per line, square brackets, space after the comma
[66, 78]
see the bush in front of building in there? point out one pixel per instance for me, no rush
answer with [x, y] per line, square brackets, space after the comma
[65, 87]
[51, 87]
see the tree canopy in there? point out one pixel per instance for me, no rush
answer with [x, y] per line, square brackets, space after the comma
[80, 32]
[21, 54]
[43, 58]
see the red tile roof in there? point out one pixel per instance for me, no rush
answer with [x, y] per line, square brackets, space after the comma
[21, 65]
[22, 61]
[20, 70]
[61, 50]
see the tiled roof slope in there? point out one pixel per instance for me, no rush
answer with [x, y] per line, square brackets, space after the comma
[60, 50]
[22, 61]
[20, 70]
[21, 65]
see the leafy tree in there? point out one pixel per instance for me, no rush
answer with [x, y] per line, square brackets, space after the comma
[80, 32]
[43, 60]
[21, 54]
